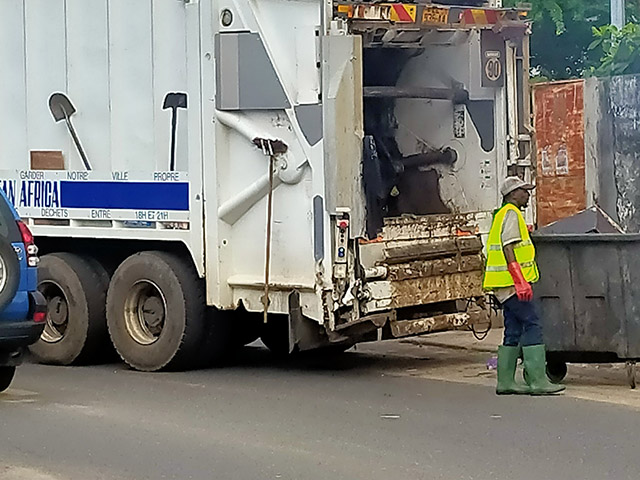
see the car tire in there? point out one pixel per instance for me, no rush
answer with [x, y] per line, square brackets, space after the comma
[6, 377]
[9, 273]
[76, 331]
[155, 312]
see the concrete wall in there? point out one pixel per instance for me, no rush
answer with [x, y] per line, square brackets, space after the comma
[612, 147]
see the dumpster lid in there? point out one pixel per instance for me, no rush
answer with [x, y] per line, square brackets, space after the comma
[591, 220]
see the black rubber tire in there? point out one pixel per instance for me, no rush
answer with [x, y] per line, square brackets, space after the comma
[83, 282]
[103, 350]
[12, 272]
[217, 342]
[226, 332]
[556, 370]
[6, 377]
[177, 346]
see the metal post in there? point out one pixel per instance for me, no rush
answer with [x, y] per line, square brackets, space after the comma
[617, 13]
[267, 262]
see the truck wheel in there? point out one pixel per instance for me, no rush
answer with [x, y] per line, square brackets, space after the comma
[217, 340]
[9, 273]
[226, 332]
[155, 312]
[6, 377]
[75, 288]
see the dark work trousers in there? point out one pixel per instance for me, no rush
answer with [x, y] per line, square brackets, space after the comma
[521, 323]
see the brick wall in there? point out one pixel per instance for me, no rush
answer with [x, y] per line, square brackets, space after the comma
[560, 151]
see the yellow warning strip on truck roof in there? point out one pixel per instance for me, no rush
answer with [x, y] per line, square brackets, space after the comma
[429, 14]
[393, 12]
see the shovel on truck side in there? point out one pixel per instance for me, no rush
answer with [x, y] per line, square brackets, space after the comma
[174, 101]
[62, 109]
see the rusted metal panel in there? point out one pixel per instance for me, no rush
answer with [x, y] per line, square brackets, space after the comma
[377, 319]
[430, 249]
[560, 125]
[409, 227]
[439, 323]
[421, 291]
[436, 289]
[430, 268]
[408, 230]
[427, 260]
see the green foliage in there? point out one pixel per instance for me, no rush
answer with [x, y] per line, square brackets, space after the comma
[563, 31]
[619, 50]
[559, 13]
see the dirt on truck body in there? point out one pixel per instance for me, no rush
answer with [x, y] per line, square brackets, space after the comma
[312, 173]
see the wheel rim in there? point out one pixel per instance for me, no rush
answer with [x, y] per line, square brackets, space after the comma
[145, 310]
[57, 312]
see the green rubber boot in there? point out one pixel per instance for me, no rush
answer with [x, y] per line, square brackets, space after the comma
[535, 364]
[507, 362]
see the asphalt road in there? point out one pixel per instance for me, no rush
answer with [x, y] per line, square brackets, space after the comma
[259, 419]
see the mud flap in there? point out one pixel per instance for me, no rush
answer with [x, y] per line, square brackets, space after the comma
[306, 334]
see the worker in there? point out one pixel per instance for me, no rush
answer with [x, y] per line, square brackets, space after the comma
[510, 270]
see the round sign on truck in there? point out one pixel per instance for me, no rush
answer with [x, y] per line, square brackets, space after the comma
[493, 66]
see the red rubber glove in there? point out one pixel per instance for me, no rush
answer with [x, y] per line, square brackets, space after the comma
[523, 288]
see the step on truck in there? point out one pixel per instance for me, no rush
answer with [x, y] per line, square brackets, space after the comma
[202, 173]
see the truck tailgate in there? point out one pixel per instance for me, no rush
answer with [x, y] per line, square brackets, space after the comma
[427, 267]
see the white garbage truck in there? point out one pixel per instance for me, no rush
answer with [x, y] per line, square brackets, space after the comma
[202, 173]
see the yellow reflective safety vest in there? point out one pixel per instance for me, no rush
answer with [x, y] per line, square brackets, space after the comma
[496, 272]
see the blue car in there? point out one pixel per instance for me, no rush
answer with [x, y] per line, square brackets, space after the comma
[22, 308]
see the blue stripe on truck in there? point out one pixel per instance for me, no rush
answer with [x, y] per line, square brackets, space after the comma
[125, 195]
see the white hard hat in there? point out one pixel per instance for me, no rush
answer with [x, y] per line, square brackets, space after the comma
[514, 183]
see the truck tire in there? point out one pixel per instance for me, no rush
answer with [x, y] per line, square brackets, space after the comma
[227, 331]
[155, 312]
[9, 273]
[217, 342]
[75, 288]
[6, 377]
